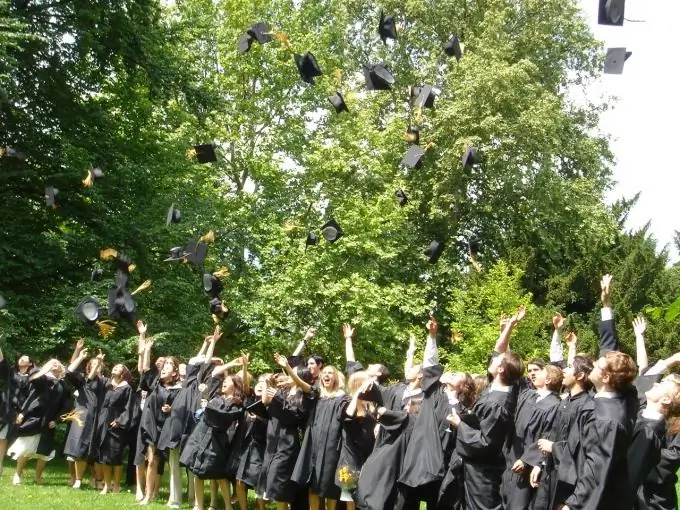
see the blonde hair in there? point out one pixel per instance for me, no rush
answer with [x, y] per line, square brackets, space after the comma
[338, 383]
[354, 382]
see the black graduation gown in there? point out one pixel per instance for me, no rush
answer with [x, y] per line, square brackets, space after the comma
[286, 417]
[658, 492]
[534, 420]
[358, 440]
[247, 453]
[81, 443]
[320, 451]
[377, 485]
[120, 404]
[207, 449]
[603, 482]
[15, 390]
[480, 444]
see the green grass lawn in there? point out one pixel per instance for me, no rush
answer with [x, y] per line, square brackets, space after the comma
[55, 494]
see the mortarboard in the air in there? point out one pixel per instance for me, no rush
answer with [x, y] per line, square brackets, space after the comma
[205, 153]
[401, 197]
[434, 251]
[473, 245]
[414, 156]
[424, 96]
[176, 254]
[331, 231]
[51, 196]
[261, 32]
[218, 308]
[387, 28]
[453, 48]
[212, 285]
[10, 152]
[378, 77]
[307, 66]
[611, 12]
[338, 103]
[122, 278]
[312, 240]
[121, 303]
[412, 135]
[88, 311]
[93, 174]
[97, 275]
[174, 215]
[470, 157]
[244, 42]
[614, 60]
[3, 302]
[197, 251]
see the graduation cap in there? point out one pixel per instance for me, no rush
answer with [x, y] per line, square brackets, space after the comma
[338, 102]
[434, 251]
[473, 245]
[88, 311]
[51, 196]
[470, 157]
[218, 309]
[614, 60]
[312, 240]
[93, 174]
[121, 304]
[387, 28]
[3, 302]
[196, 252]
[244, 42]
[261, 32]
[401, 197]
[454, 48]
[174, 215]
[205, 153]
[307, 66]
[412, 136]
[611, 12]
[9, 152]
[378, 77]
[212, 285]
[331, 231]
[97, 275]
[413, 158]
[424, 96]
[176, 254]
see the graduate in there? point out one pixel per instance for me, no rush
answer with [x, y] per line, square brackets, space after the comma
[81, 443]
[287, 410]
[376, 371]
[37, 419]
[15, 389]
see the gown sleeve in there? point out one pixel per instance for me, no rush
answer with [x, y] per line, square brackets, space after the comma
[532, 456]
[644, 453]
[490, 436]
[220, 414]
[289, 415]
[127, 417]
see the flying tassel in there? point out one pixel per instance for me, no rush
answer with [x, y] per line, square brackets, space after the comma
[456, 337]
[410, 137]
[430, 145]
[475, 264]
[108, 254]
[191, 153]
[73, 416]
[208, 238]
[222, 272]
[132, 267]
[290, 226]
[106, 328]
[282, 38]
[142, 287]
[418, 115]
[337, 76]
[88, 181]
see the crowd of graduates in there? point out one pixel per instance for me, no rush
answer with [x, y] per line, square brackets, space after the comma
[585, 433]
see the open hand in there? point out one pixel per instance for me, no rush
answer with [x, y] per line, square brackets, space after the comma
[639, 326]
[311, 333]
[282, 361]
[605, 286]
[518, 466]
[141, 327]
[347, 331]
[558, 321]
[571, 338]
[432, 326]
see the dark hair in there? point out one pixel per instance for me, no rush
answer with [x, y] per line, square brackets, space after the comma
[539, 362]
[468, 393]
[317, 359]
[238, 385]
[175, 363]
[583, 364]
[512, 368]
[30, 361]
[383, 373]
[304, 374]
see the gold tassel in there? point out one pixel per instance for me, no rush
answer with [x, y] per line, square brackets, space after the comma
[208, 238]
[2, 151]
[429, 146]
[409, 137]
[73, 416]
[222, 272]
[456, 337]
[88, 181]
[215, 319]
[191, 153]
[418, 115]
[337, 76]
[289, 226]
[282, 38]
[106, 328]
[132, 267]
[142, 287]
[475, 264]
[108, 254]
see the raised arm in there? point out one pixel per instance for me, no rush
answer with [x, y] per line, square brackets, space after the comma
[311, 332]
[348, 331]
[79, 347]
[556, 349]
[212, 341]
[662, 365]
[608, 339]
[95, 366]
[410, 353]
[220, 369]
[76, 362]
[47, 367]
[246, 383]
[141, 346]
[571, 347]
[507, 326]
[639, 327]
[282, 361]
[431, 354]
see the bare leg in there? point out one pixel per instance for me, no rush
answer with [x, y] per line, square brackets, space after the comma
[314, 501]
[141, 478]
[107, 475]
[351, 505]
[242, 495]
[198, 490]
[213, 494]
[191, 496]
[21, 464]
[259, 504]
[280, 505]
[71, 473]
[151, 475]
[117, 475]
[80, 466]
[39, 468]
[331, 504]
[4, 444]
[225, 488]
[96, 473]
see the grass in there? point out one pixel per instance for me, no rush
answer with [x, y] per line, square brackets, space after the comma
[55, 494]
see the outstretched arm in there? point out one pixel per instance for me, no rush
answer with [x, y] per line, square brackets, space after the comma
[608, 339]
[141, 345]
[571, 347]
[662, 365]
[639, 327]
[283, 363]
[311, 332]
[506, 330]
[347, 332]
[79, 347]
[556, 349]
[431, 354]
[410, 353]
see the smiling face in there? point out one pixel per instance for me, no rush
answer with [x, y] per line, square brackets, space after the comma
[168, 371]
[329, 378]
[24, 362]
[313, 367]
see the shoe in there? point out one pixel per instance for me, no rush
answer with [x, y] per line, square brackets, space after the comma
[16, 479]
[76, 484]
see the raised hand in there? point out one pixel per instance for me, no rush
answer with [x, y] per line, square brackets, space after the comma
[282, 361]
[639, 326]
[141, 327]
[83, 354]
[412, 343]
[245, 357]
[347, 331]
[571, 338]
[558, 321]
[311, 333]
[80, 344]
[521, 312]
[217, 334]
[432, 326]
[605, 286]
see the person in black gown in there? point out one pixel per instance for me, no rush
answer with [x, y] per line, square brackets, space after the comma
[12, 397]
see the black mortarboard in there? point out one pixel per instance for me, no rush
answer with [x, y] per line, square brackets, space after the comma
[412, 135]
[387, 28]
[338, 102]
[218, 308]
[88, 311]
[413, 158]
[453, 48]
[3, 303]
[244, 42]
[611, 12]
[307, 67]
[176, 253]
[121, 303]
[197, 251]
[473, 245]
[122, 278]
[424, 96]
[470, 157]
[97, 275]
[312, 240]
[378, 77]
[434, 251]
[174, 215]
[401, 197]
[614, 60]
[331, 231]
[205, 153]
[51, 196]
[212, 285]
[123, 262]
[261, 32]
